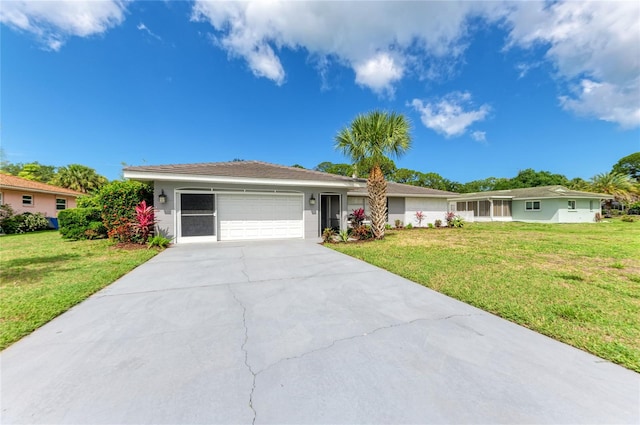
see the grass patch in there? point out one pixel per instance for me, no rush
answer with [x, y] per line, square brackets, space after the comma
[577, 283]
[42, 276]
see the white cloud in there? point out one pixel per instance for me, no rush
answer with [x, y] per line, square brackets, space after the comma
[607, 102]
[376, 46]
[479, 136]
[52, 22]
[389, 41]
[593, 44]
[379, 73]
[450, 115]
[142, 27]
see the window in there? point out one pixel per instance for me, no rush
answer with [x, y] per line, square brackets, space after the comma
[61, 204]
[27, 200]
[502, 208]
[591, 205]
[484, 208]
[572, 205]
[1, 199]
[532, 206]
[461, 206]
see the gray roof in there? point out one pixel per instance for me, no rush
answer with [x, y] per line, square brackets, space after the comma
[540, 192]
[246, 169]
[399, 189]
[265, 170]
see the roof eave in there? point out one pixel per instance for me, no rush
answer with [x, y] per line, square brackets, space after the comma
[151, 176]
[29, 189]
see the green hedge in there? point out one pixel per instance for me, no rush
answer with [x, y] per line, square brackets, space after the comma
[81, 223]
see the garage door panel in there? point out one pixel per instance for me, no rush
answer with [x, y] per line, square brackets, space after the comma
[257, 216]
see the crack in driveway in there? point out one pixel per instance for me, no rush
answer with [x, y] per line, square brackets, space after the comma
[246, 353]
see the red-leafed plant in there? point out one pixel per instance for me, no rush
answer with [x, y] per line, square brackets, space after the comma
[357, 217]
[419, 217]
[145, 221]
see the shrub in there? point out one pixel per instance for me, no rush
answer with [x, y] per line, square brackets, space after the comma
[7, 225]
[22, 223]
[87, 201]
[387, 226]
[357, 217]
[34, 222]
[398, 224]
[430, 225]
[437, 223]
[81, 223]
[328, 234]
[344, 236]
[627, 219]
[117, 202]
[598, 217]
[454, 220]
[145, 221]
[409, 226]
[158, 241]
[362, 232]
[419, 218]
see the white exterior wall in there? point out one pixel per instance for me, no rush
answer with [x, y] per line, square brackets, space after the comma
[166, 214]
[432, 208]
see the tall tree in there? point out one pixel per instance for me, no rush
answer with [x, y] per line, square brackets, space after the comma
[375, 136]
[630, 166]
[615, 184]
[37, 172]
[532, 178]
[339, 169]
[80, 178]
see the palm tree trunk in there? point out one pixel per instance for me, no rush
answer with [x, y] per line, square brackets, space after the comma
[377, 188]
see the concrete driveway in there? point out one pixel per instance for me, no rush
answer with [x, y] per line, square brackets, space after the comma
[292, 332]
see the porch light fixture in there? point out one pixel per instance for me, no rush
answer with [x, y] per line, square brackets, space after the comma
[162, 197]
[312, 200]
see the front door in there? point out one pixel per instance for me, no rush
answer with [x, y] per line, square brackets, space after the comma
[196, 217]
[329, 212]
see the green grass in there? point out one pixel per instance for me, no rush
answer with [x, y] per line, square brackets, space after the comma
[42, 276]
[577, 283]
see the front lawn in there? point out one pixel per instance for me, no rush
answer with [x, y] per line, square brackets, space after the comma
[42, 276]
[578, 283]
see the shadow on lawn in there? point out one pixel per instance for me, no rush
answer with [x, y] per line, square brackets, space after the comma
[23, 271]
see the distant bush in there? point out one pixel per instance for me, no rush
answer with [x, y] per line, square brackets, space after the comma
[409, 226]
[21, 223]
[430, 226]
[81, 223]
[437, 223]
[627, 219]
[34, 222]
[398, 223]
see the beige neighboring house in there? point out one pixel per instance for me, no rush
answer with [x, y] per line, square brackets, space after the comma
[28, 196]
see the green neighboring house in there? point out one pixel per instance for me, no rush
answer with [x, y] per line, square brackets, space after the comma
[544, 204]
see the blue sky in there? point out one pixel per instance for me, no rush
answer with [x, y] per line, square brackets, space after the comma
[491, 88]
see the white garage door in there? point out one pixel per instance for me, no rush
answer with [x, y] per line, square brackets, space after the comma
[258, 216]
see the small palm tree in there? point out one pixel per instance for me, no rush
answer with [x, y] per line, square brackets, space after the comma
[615, 184]
[373, 137]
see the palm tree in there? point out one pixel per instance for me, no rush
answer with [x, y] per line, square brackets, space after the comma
[615, 184]
[79, 178]
[373, 137]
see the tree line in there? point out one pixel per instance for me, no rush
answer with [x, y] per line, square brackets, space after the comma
[625, 173]
[73, 176]
[622, 181]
